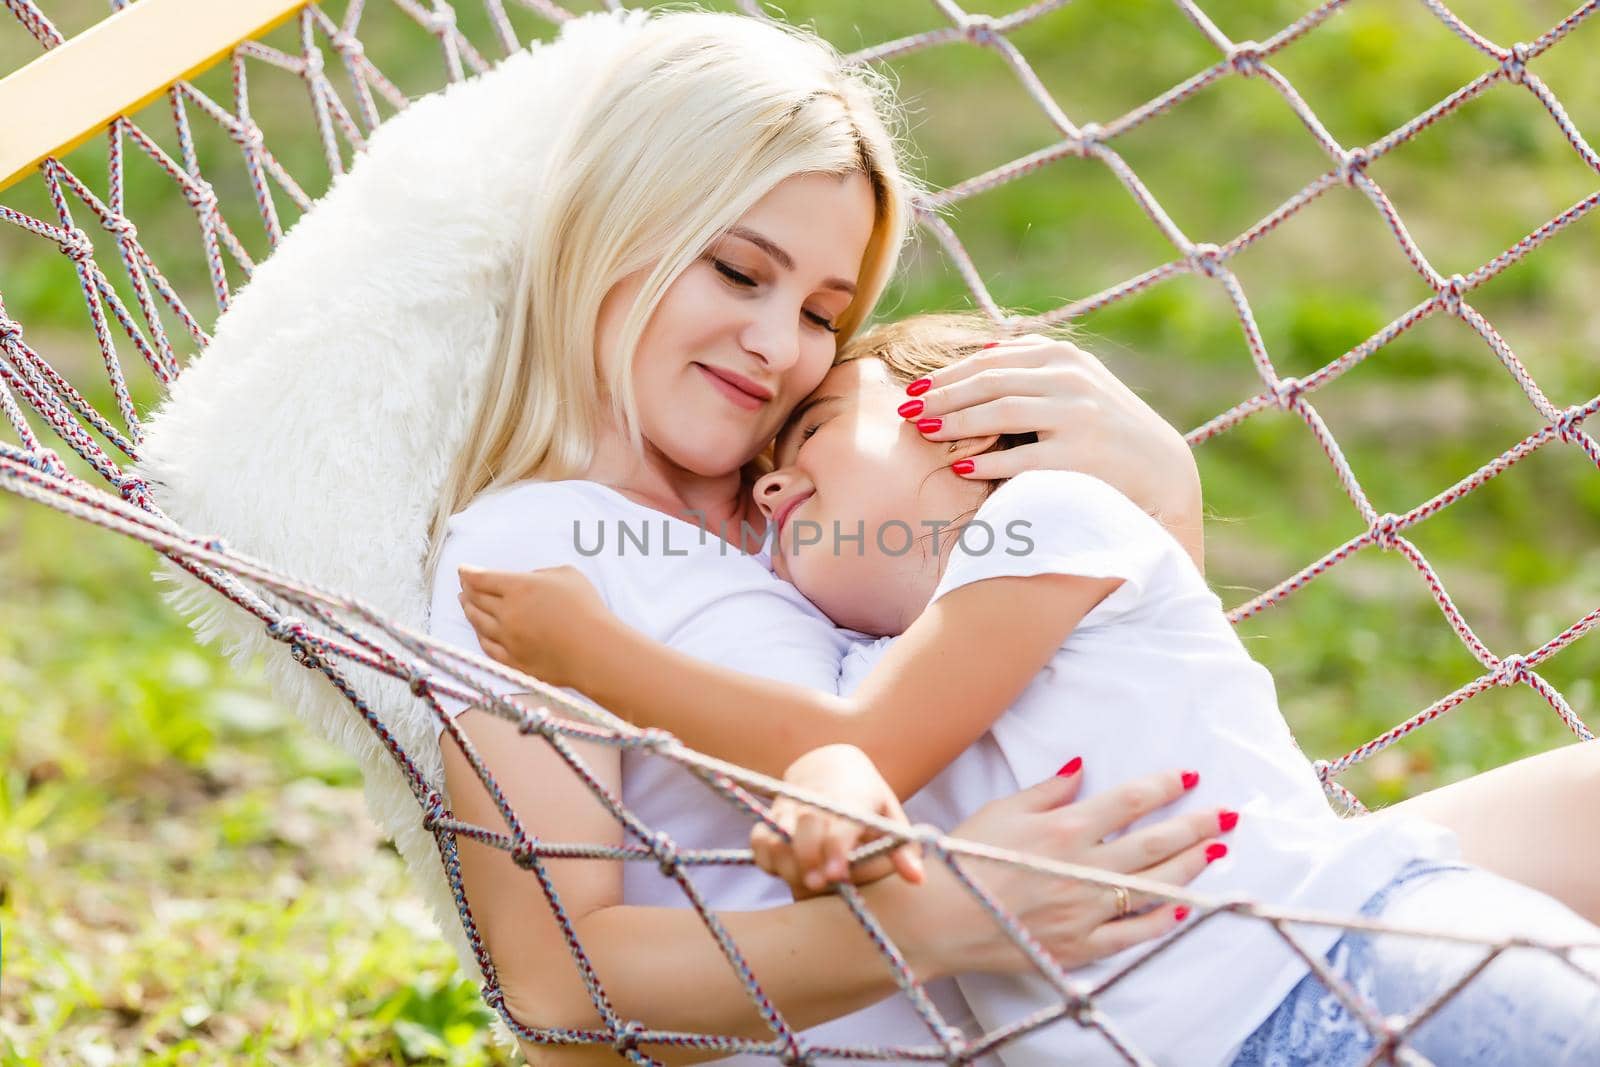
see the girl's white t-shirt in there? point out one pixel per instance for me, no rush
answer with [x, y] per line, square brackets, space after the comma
[700, 595]
[1154, 678]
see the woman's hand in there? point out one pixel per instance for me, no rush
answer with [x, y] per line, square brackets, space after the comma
[819, 844]
[544, 623]
[1085, 420]
[1077, 922]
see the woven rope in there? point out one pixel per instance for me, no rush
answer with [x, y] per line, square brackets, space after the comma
[336, 632]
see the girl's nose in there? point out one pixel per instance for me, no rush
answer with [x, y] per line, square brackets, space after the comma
[769, 491]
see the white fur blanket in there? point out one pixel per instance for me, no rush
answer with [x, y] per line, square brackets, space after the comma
[315, 431]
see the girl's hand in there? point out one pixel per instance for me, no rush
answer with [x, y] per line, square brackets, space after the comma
[819, 844]
[1077, 922]
[543, 622]
[1085, 420]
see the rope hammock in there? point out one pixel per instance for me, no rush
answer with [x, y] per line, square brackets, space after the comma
[359, 668]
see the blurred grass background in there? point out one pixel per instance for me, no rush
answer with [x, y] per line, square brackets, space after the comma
[187, 877]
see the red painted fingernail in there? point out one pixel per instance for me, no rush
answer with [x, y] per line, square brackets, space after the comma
[991, 344]
[1180, 913]
[929, 425]
[910, 409]
[963, 466]
[920, 386]
[1190, 779]
[1071, 767]
[1215, 851]
[1227, 820]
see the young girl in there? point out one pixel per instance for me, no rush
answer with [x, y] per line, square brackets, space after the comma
[1049, 626]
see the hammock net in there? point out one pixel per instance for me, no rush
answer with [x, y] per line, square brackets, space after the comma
[143, 324]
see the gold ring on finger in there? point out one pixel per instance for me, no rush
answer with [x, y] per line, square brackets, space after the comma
[1122, 901]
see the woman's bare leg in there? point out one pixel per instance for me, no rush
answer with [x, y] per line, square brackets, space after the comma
[1534, 821]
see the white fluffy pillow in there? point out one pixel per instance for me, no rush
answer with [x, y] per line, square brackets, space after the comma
[316, 430]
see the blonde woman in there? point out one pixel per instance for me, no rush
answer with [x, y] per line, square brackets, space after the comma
[719, 216]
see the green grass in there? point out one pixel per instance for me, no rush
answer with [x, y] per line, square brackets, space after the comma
[189, 877]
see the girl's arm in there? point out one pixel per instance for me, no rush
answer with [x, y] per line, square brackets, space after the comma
[959, 666]
[809, 847]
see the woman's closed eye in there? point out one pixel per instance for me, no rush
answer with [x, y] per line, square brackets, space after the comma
[736, 277]
[742, 280]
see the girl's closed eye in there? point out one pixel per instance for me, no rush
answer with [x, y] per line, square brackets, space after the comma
[789, 444]
[808, 430]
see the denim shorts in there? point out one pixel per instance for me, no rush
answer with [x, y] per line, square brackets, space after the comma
[1525, 1007]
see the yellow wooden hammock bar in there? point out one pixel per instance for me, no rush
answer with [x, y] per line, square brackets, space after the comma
[116, 67]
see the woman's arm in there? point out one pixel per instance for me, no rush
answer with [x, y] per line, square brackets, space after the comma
[811, 958]
[1085, 420]
[956, 670]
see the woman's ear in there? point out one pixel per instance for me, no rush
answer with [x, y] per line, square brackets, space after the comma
[968, 447]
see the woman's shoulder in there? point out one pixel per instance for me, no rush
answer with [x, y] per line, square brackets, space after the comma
[526, 525]
[534, 505]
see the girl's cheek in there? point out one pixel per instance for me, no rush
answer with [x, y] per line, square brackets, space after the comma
[833, 463]
[815, 573]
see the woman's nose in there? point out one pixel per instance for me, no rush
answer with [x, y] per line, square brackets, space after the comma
[775, 339]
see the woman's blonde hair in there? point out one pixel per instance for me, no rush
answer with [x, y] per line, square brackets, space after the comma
[698, 118]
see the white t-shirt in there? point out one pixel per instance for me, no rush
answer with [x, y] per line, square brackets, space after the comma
[1155, 678]
[694, 592]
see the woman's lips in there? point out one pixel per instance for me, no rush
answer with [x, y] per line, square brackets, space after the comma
[784, 512]
[742, 391]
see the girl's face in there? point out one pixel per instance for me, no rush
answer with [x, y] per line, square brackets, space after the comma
[849, 465]
[748, 329]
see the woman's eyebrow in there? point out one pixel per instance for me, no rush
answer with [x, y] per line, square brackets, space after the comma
[784, 259]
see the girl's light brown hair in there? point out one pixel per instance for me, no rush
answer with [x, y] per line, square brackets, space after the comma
[915, 347]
